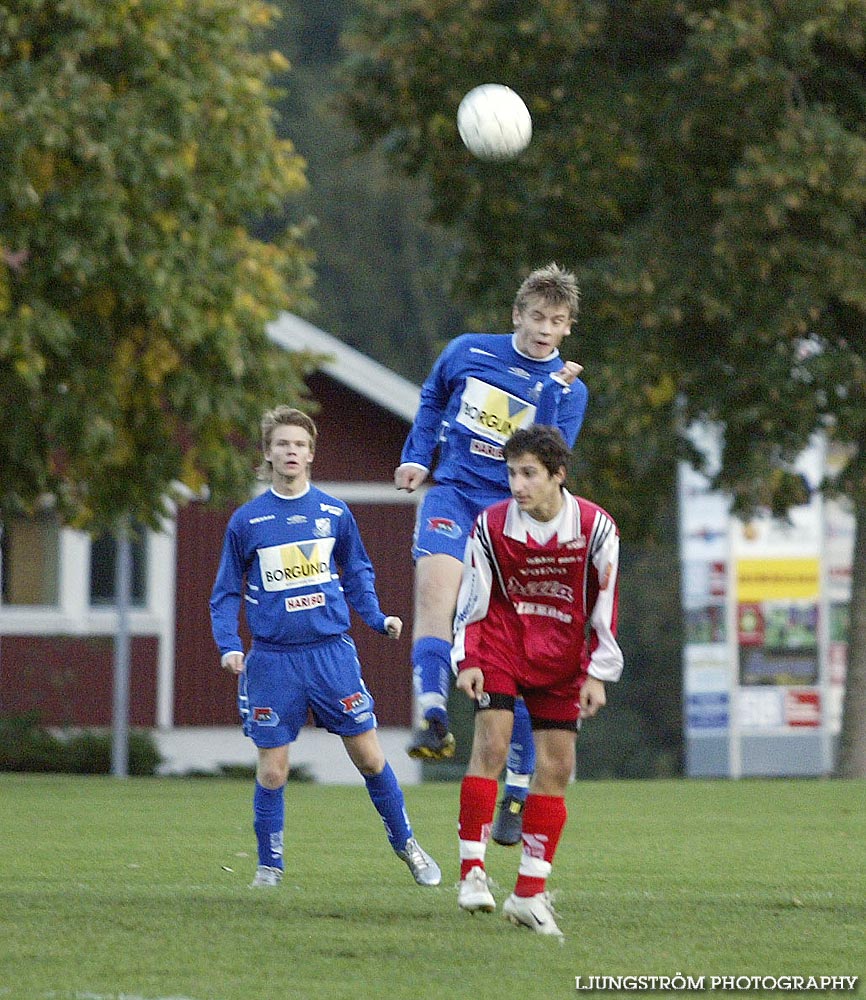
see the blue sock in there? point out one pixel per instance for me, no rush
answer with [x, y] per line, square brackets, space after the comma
[521, 753]
[387, 796]
[431, 669]
[268, 822]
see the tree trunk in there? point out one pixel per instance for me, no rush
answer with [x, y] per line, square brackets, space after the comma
[852, 747]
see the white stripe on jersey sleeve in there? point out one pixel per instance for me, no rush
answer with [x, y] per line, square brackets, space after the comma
[473, 598]
[607, 660]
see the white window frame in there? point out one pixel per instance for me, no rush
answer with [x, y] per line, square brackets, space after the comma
[74, 615]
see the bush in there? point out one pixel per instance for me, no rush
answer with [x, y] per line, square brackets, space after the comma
[25, 745]
[297, 772]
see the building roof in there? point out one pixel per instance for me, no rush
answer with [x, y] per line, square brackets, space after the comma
[348, 366]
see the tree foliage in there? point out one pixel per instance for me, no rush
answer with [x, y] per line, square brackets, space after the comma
[702, 165]
[137, 143]
[583, 181]
[378, 261]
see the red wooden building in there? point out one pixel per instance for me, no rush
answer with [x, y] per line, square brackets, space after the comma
[56, 615]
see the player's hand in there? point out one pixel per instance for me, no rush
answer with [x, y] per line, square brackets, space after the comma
[471, 683]
[592, 697]
[233, 662]
[409, 477]
[569, 372]
[393, 626]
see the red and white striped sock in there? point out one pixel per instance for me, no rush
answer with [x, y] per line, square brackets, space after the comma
[477, 805]
[543, 820]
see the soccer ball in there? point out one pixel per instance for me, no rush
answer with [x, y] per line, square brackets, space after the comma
[493, 122]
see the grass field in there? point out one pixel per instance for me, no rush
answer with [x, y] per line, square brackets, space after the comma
[139, 889]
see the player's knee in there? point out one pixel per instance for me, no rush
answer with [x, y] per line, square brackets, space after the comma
[552, 774]
[369, 765]
[366, 754]
[272, 774]
[489, 752]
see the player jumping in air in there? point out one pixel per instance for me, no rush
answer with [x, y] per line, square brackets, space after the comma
[481, 390]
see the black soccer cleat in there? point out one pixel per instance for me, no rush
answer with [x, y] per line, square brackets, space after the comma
[432, 741]
[509, 823]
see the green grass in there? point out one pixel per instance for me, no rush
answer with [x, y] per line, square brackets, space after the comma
[139, 889]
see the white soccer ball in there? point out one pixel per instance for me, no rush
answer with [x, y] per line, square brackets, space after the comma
[493, 122]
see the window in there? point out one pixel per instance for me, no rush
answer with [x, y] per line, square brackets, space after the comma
[30, 559]
[103, 551]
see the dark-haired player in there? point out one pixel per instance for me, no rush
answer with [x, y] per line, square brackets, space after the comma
[536, 619]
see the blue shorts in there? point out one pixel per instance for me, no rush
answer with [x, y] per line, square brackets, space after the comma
[279, 686]
[445, 520]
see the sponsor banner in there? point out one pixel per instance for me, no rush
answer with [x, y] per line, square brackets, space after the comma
[707, 667]
[493, 413]
[296, 564]
[707, 710]
[305, 601]
[803, 707]
[839, 527]
[761, 708]
[778, 642]
[704, 582]
[772, 579]
[486, 449]
[705, 683]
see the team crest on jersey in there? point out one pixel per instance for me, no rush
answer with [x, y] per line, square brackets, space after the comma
[492, 412]
[322, 527]
[296, 564]
[265, 716]
[444, 526]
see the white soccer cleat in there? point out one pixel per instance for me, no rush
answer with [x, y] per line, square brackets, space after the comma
[534, 912]
[266, 876]
[475, 894]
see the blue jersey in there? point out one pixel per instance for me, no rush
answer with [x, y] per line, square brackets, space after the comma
[283, 556]
[480, 391]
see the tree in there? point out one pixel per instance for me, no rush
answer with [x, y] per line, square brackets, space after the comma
[377, 260]
[704, 165]
[787, 87]
[137, 146]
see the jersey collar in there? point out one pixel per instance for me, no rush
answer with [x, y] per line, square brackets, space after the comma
[297, 496]
[553, 354]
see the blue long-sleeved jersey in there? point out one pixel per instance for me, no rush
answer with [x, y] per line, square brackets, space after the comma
[480, 391]
[283, 557]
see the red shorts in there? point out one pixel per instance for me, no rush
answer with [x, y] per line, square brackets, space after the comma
[558, 701]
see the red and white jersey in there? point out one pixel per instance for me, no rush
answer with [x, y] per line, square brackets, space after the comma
[546, 610]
